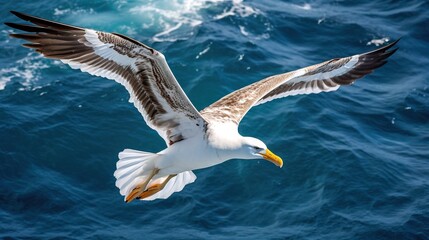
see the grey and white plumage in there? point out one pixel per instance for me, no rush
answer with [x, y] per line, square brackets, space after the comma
[194, 139]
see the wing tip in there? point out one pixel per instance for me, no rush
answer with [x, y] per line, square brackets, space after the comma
[31, 45]
[9, 24]
[20, 15]
[390, 53]
[394, 42]
[14, 12]
[390, 45]
[384, 49]
[44, 22]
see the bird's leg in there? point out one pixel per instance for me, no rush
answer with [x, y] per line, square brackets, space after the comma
[141, 187]
[155, 188]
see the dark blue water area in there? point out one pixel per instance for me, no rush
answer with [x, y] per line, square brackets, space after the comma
[356, 161]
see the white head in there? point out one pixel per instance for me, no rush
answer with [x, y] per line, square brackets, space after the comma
[253, 148]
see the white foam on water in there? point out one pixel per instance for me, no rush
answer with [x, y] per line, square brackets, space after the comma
[68, 11]
[166, 20]
[128, 30]
[321, 20]
[177, 19]
[203, 51]
[25, 70]
[238, 9]
[243, 31]
[169, 16]
[305, 6]
[378, 42]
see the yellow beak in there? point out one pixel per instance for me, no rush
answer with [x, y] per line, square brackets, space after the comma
[268, 155]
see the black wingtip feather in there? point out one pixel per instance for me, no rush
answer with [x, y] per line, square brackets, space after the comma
[390, 45]
[45, 23]
[389, 53]
[380, 64]
[15, 13]
[31, 45]
[23, 16]
[30, 28]
[8, 24]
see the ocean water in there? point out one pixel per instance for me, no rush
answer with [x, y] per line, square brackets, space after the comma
[356, 161]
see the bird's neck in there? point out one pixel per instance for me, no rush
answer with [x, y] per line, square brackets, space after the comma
[225, 140]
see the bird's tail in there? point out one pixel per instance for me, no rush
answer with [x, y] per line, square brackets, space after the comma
[134, 167]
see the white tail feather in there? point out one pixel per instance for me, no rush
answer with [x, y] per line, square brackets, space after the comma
[134, 167]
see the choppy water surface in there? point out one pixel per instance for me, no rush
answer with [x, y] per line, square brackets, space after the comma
[356, 160]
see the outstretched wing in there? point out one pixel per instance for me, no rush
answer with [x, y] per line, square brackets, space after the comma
[323, 77]
[142, 70]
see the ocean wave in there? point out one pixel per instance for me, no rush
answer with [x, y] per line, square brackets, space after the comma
[177, 20]
[25, 70]
[355, 159]
[238, 8]
[68, 11]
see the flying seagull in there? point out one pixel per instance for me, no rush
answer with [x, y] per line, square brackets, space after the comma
[195, 139]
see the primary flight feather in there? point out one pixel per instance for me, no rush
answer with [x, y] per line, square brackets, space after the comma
[194, 139]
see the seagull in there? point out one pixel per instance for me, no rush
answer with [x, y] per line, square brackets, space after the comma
[195, 139]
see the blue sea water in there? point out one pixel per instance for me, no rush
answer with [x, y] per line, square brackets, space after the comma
[356, 161]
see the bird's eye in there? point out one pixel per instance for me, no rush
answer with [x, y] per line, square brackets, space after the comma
[257, 148]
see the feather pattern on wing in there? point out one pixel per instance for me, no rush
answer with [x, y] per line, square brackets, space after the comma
[142, 70]
[323, 77]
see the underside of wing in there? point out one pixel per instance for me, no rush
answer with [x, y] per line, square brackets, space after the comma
[142, 70]
[323, 77]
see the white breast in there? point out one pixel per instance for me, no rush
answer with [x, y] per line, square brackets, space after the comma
[187, 155]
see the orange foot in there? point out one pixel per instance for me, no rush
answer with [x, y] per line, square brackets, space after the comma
[140, 187]
[155, 188]
[150, 191]
[133, 194]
